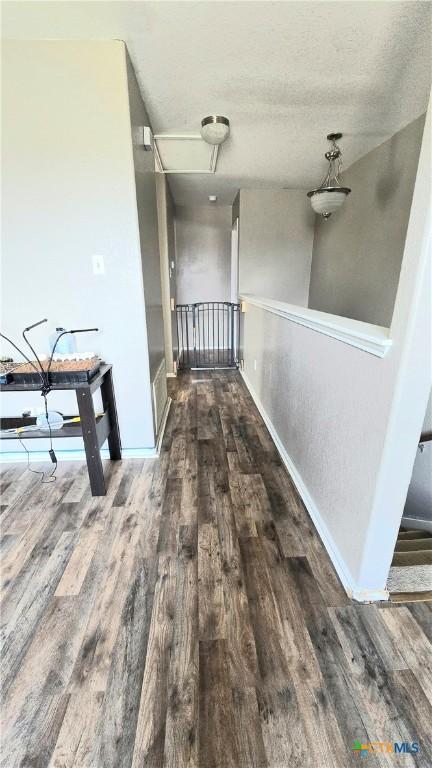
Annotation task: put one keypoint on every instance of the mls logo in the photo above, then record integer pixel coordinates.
(407, 748)
(397, 747)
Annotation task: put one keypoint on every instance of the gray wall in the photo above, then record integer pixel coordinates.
(349, 421)
(357, 253)
(276, 236)
(203, 248)
(145, 184)
(68, 193)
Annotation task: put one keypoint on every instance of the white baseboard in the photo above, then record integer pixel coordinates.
(353, 590)
(20, 457)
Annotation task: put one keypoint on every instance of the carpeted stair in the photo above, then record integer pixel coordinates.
(411, 568)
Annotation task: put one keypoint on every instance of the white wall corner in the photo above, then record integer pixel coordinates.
(411, 327)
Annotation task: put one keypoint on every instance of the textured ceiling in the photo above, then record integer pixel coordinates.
(285, 73)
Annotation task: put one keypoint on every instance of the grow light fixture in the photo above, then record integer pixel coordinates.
(330, 196)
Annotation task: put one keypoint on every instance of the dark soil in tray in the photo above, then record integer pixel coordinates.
(61, 372)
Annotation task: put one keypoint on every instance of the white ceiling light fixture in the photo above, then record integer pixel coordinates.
(330, 196)
(212, 198)
(215, 129)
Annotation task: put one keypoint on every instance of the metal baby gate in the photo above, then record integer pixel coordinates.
(208, 334)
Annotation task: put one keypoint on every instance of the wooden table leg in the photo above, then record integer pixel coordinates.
(109, 404)
(91, 445)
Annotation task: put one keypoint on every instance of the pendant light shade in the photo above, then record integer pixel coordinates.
(327, 201)
(330, 196)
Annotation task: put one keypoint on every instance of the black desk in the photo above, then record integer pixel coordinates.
(94, 430)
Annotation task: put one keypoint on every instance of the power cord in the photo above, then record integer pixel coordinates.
(47, 477)
(45, 390)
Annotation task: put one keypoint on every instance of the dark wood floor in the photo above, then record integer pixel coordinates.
(192, 617)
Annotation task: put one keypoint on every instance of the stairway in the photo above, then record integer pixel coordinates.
(411, 568)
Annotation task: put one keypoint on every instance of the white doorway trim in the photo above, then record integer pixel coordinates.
(235, 261)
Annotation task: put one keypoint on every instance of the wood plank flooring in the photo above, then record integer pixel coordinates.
(191, 618)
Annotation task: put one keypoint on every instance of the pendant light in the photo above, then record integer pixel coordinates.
(330, 195)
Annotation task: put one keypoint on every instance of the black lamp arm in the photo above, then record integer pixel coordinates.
(74, 330)
(43, 374)
(21, 353)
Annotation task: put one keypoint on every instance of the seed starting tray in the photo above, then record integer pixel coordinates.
(56, 377)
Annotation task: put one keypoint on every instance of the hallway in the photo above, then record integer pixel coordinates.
(192, 617)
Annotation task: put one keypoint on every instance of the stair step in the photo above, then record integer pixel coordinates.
(411, 568)
(410, 578)
(412, 535)
(411, 597)
(421, 557)
(413, 545)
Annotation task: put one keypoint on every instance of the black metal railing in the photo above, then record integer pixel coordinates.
(208, 334)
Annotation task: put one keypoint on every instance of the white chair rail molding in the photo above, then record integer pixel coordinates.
(370, 338)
